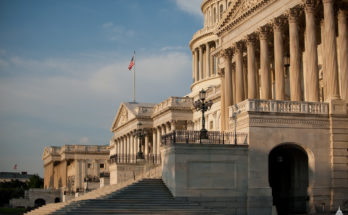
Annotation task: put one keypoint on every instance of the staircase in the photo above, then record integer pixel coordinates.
(148, 196)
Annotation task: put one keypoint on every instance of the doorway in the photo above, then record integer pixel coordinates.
(288, 178)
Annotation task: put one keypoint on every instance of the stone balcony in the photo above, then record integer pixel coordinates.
(183, 103)
(284, 107)
(83, 148)
(202, 32)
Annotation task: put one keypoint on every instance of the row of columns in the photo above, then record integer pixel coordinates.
(310, 73)
(127, 146)
(203, 67)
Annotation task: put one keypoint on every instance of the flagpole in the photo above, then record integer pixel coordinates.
(134, 79)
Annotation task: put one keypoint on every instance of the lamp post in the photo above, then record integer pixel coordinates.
(234, 117)
(140, 134)
(202, 105)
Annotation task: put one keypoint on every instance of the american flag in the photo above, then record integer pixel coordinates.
(131, 64)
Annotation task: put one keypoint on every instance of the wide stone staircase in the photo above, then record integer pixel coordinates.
(148, 196)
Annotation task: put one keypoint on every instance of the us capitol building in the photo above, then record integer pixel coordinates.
(276, 73)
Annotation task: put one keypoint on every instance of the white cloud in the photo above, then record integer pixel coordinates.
(190, 6)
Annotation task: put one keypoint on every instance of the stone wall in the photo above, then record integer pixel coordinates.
(48, 195)
(214, 175)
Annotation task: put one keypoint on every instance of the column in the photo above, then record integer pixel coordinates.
(239, 73)
(77, 183)
(154, 143)
(331, 53)
(252, 90)
(264, 61)
(343, 50)
(207, 48)
(197, 65)
(131, 147)
(158, 145)
(173, 126)
(323, 50)
(201, 63)
(95, 164)
(228, 78)
(279, 58)
(311, 73)
(135, 148)
(295, 55)
(222, 99)
(146, 145)
(127, 148)
(117, 150)
(193, 66)
(212, 64)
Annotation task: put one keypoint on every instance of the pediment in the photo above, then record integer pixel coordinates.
(240, 9)
(124, 114)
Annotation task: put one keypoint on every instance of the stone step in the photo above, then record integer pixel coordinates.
(144, 197)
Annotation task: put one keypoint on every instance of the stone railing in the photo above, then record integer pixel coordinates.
(213, 91)
(275, 106)
(214, 137)
(205, 30)
(83, 148)
(175, 102)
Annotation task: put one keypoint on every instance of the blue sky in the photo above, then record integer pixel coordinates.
(63, 68)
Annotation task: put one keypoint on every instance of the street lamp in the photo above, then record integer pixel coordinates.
(202, 105)
(234, 117)
(140, 134)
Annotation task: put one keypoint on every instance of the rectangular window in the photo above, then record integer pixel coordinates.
(89, 165)
(101, 166)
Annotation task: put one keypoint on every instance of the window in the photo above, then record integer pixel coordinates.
(214, 15)
(101, 166)
(221, 10)
(89, 165)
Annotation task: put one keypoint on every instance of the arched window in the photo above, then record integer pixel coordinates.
(229, 3)
(214, 15)
(221, 10)
(209, 23)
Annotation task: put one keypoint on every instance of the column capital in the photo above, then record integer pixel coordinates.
(278, 23)
(310, 6)
(342, 15)
(226, 53)
(294, 13)
(238, 47)
(328, 1)
(221, 73)
(250, 39)
(264, 32)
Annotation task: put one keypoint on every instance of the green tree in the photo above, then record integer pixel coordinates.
(35, 182)
(11, 189)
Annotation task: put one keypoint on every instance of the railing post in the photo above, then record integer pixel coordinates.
(174, 139)
(187, 137)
